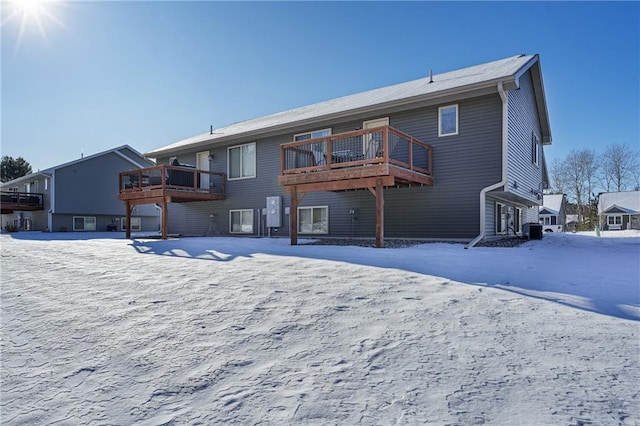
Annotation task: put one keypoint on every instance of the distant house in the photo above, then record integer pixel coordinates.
(619, 210)
(457, 155)
(572, 223)
(552, 214)
(80, 195)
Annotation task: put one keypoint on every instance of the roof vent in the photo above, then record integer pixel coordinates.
(430, 76)
(211, 129)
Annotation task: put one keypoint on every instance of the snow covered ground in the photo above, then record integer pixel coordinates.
(103, 330)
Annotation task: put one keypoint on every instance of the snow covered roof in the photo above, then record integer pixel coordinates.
(552, 202)
(508, 70)
(628, 201)
(50, 170)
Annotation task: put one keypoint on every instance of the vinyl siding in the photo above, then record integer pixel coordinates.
(523, 121)
(462, 166)
(90, 188)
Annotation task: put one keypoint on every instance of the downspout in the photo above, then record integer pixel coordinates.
(503, 182)
(52, 200)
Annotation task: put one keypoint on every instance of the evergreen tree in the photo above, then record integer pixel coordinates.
(13, 168)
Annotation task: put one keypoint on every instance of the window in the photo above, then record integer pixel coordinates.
(518, 220)
(535, 148)
(242, 161)
(84, 223)
(448, 120)
(312, 135)
(136, 224)
(313, 220)
(614, 220)
(241, 221)
(501, 218)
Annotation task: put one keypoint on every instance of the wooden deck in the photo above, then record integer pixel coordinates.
(11, 201)
(165, 184)
(372, 159)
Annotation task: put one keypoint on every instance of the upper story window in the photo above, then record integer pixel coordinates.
(312, 135)
(242, 161)
(535, 149)
(448, 120)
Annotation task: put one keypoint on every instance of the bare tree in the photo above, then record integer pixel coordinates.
(577, 173)
(620, 168)
(558, 177)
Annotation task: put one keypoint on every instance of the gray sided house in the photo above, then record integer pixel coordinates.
(619, 210)
(80, 195)
(453, 156)
(553, 214)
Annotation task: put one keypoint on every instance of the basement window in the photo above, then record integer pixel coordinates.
(313, 220)
(136, 224)
(84, 223)
(241, 221)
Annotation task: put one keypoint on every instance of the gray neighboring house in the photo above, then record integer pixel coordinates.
(459, 156)
(80, 195)
(553, 215)
(619, 210)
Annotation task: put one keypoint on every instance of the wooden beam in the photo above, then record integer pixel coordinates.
(343, 185)
(293, 216)
(127, 229)
(379, 214)
(165, 211)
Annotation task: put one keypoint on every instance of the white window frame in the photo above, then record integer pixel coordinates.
(615, 218)
(535, 149)
(85, 223)
(440, 110)
(245, 228)
(518, 220)
(297, 136)
(312, 231)
(136, 224)
(255, 155)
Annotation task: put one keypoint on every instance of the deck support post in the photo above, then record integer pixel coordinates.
(165, 211)
(127, 228)
(379, 214)
(293, 216)
(293, 213)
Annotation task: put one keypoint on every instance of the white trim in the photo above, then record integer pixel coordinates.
(312, 132)
(255, 156)
(503, 211)
(368, 124)
(440, 109)
(123, 223)
(84, 228)
(535, 149)
(135, 163)
(324, 232)
(503, 182)
(231, 231)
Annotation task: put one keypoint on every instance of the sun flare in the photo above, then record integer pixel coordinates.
(31, 13)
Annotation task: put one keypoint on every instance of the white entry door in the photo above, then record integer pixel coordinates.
(372, 143)
(202, 160)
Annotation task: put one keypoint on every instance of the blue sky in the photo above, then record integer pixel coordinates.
(147, 74)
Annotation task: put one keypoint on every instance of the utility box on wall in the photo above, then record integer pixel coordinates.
(274, 212)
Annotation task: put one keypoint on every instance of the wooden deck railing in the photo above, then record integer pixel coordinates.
(11, 201)
(174, 178)
(358, 148)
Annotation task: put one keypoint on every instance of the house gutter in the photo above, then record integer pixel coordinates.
(368, 109)
(502, 182)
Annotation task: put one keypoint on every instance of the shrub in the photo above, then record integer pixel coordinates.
(9, 227)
